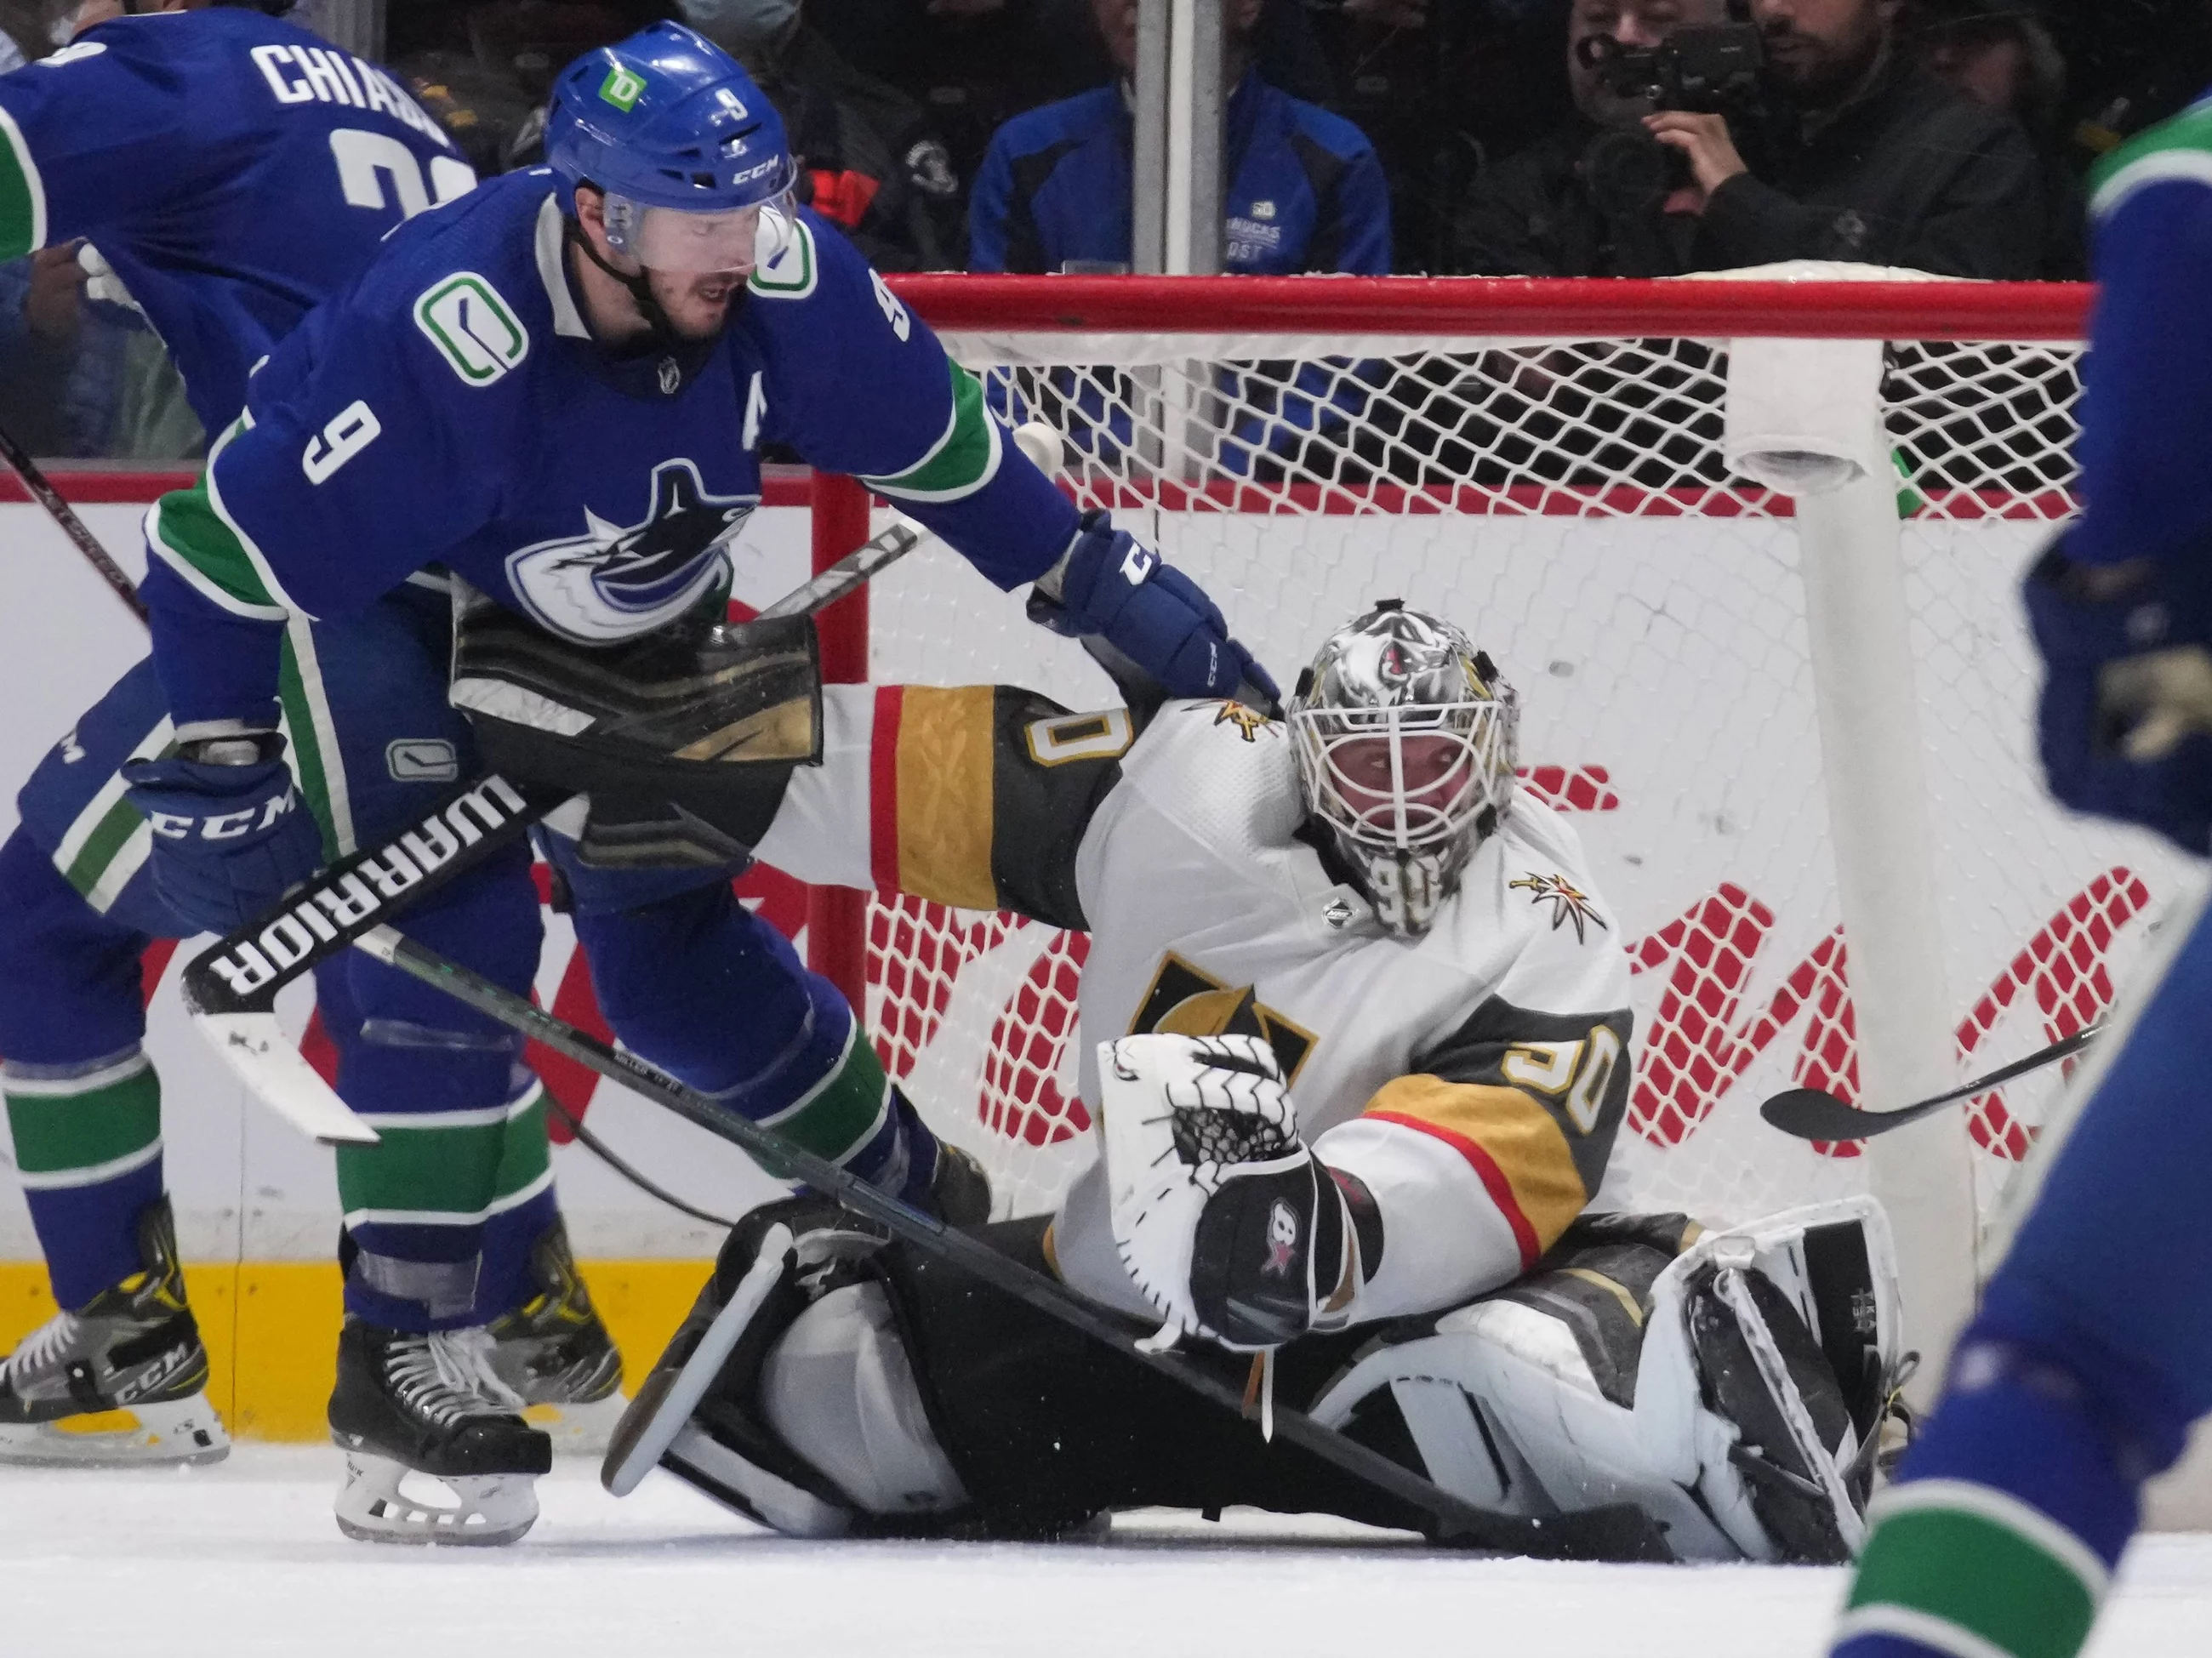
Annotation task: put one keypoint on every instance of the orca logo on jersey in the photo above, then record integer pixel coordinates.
(613, 583)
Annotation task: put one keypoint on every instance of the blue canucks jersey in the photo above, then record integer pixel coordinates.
(451, 408)
(233, 169)
(2146, 401)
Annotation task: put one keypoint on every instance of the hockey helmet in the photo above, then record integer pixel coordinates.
(691, 155)
(1405, 741)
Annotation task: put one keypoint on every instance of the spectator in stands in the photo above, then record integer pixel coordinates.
(2000, 54)
(1870, 158)
(1593, 198)
(867, 158)
(1303, 190)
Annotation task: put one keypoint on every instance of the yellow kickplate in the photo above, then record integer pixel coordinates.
(271, 1329)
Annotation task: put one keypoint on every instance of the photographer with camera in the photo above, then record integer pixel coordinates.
(1865, 156)
(1805, 133)
(1591, 198)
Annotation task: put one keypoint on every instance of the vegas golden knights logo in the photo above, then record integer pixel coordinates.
(1184, 1001)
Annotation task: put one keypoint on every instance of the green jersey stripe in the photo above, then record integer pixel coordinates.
(498, 1206)
(842, 1113)
(525, 1155)
(448, 1163)
(92, 1174)
(186, 533)
(155, 743)
(964, 457)
(128, 860)
(2178, 148)
(22, 194)
(88, 869)
(317, 761)
(57, 1133)
(1973, 1570)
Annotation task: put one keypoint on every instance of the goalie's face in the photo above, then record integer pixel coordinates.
(1406, 779)
(1405, 740)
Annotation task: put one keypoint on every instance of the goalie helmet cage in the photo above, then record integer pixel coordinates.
(1749, 550)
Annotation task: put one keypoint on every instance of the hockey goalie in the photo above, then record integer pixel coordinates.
(1356, 1037)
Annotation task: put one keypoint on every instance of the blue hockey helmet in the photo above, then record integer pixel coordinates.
(667, 120)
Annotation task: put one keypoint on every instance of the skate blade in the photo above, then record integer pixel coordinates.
(483, 1510)
(578, 1430)
(184, 1432)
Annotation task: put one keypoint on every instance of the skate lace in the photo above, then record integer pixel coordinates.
(468, 1352)
(42, 1349)
(434, 1376)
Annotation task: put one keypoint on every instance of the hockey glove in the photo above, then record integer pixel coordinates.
(1111, 586)
(2125, 719)
(1227, 1223)
(229, 840)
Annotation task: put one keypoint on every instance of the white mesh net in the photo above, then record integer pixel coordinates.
(1565, 500)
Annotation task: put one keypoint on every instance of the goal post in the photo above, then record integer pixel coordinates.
(1750, 550)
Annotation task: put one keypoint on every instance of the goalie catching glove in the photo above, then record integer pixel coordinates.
(1226, 1221)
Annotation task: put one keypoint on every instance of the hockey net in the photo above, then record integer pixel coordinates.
(1544, 463)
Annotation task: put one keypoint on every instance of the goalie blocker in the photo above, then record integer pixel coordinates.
(829, 1382)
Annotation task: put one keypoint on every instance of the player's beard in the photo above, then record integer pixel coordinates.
(697, 304)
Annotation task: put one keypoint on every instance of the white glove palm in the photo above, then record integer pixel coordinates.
(1226, 1222)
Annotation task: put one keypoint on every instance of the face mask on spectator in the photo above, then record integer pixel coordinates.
(741, 25)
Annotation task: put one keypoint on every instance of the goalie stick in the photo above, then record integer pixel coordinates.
(1616, 1532)
(1813, 1114)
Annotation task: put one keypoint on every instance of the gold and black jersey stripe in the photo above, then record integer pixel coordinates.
(1532, 1100)
(980, 795)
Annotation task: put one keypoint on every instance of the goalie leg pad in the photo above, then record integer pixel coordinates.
(840, 1391)
(1733, 1390)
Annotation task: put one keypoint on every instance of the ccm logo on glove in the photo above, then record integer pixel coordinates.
(1138, 563)
(228, 826)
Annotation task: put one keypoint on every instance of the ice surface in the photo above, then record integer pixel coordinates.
(242, 1560)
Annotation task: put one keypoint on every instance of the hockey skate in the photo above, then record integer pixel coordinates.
(556, 1355)
(119, 1382)
(411, 1409)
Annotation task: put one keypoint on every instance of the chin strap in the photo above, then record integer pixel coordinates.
(664, 340)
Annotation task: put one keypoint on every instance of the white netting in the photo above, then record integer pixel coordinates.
(1565, 500)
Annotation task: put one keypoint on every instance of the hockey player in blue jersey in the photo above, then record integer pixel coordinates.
(2092, 1352)
(555, 392)
(235, 170)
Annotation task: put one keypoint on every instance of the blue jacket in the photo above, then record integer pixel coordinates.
(1306, 192)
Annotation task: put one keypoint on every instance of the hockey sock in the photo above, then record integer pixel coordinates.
(460, 1121)
(83, 1103)
(705, 989)
(88, 1152)
(2010, 1516)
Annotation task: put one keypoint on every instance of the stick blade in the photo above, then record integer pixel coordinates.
(267, 1061)
(1810, 1114)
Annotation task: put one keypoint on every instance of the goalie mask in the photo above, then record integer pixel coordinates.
(1406, 742)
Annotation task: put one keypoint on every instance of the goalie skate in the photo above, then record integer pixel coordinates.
(120, 1380)
(413, 1413)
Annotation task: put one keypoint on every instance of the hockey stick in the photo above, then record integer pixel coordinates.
(1618, 1531)
(1813, 1114)
(116, 578)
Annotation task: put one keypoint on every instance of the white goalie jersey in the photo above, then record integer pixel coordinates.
(1465, 1088)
